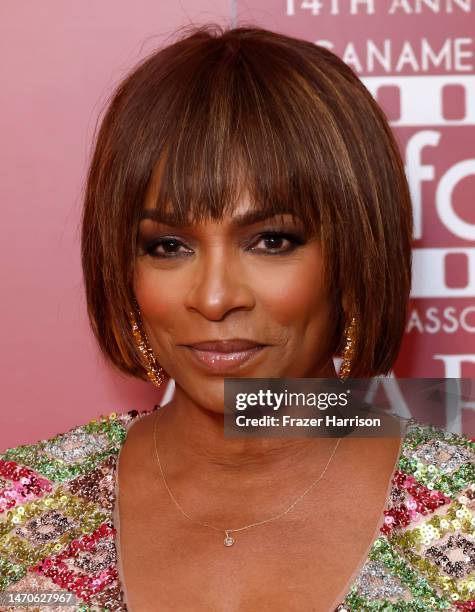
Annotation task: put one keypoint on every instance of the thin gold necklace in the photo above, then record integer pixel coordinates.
(228, 539)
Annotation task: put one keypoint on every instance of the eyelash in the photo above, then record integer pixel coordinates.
(295, 241)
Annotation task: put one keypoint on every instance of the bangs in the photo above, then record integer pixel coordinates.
(230, 129)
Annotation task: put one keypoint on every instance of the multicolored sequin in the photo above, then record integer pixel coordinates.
(424, 558)
(57, 531)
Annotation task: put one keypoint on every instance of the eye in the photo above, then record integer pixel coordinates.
(275, 243)
(170, 248)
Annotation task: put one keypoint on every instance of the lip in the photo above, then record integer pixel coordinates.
(228, 345)
(221, 357)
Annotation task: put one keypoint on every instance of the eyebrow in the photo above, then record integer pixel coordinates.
(242, 220)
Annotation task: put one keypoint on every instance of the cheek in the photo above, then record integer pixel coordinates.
(159, 297)
(297, 294)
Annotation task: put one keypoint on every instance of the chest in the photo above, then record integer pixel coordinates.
(304, 561)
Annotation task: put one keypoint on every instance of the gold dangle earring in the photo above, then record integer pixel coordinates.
(155, 372)
(349, 350)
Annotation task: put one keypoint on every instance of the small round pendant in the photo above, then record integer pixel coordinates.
(228, 540)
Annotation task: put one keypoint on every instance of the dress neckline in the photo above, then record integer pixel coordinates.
(339, 600)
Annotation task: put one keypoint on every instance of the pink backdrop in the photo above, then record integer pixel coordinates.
(60, 61)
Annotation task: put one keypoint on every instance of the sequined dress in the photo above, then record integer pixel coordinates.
(57, 530)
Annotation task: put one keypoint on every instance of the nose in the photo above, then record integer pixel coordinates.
(218, 284)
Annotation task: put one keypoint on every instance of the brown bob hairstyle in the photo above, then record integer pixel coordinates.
(223, 108)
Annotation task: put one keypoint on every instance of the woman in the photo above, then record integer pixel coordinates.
(246, 215)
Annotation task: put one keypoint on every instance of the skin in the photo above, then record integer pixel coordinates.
(226, 284)
(222, 281)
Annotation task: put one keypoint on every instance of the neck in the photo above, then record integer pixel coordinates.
(193, 437)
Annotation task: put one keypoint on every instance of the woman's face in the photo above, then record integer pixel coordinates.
(260, 281)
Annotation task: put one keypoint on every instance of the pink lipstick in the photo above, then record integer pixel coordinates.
(221, 356)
